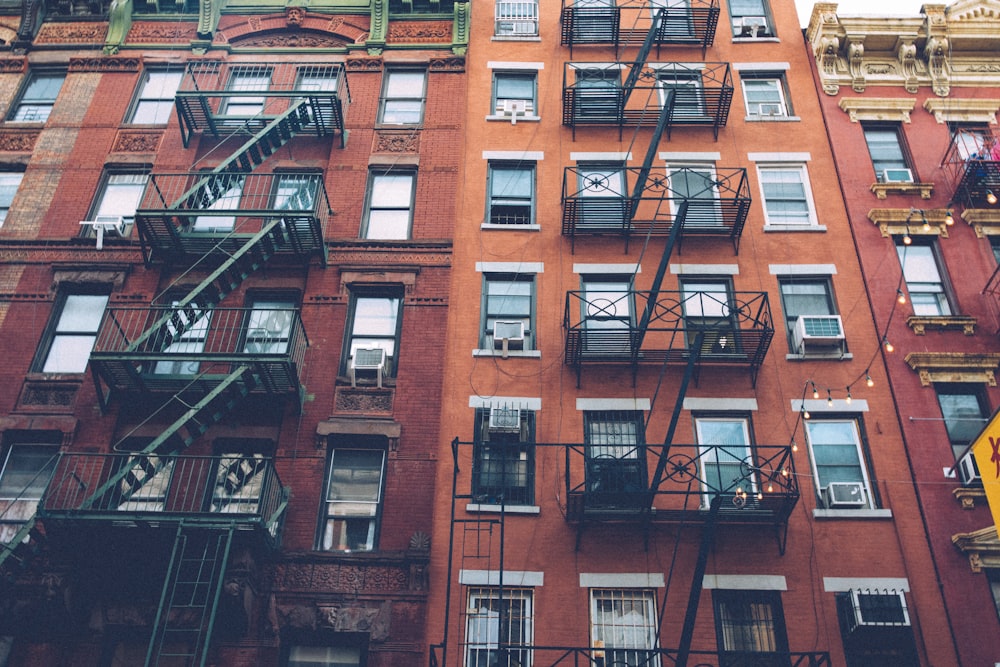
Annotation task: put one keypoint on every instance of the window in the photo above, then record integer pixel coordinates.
(390, 205)
(993, 576)
(119, 196)
(885, 145)
(295, 192)
(184, 335)
(374, 323)
(623, 626)
(875, 628)
(923, 275)
(837, 459)
(316, 78)
(9, 183)
(513, 91)
(787, 200)
(251, 79)
(608, 305)
(751, 18)
(503, 470)
(508, 298)
(765, 94)
(804, 295)
(72, 332)
(688, 92)
(269, 326)
(512, 194)
(677, 22)
(600, 201)
(27, 469)
(708, 309)
(597, 94)
(724, 452)
(750, 622)
(155, 98)
(965, 412)
(492, 621)
(403, 97)
(300, 655)
(695, 186)
(37, 97)
(516, 18)
(240, 476)
(229, 200)
(353, 498)
(615, 469)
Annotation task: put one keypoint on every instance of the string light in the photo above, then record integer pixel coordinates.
(900, 297)
(795, 448)
(868, 379)
(848, 399)
(829, 398)
(949, 219)
(906, 238)
(805, 414)
(990, 197)
(888, 345)
(815, 390)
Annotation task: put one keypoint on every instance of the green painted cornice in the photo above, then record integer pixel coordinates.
(460, 28)
(119, 22)
(379, 26)
(209, 12)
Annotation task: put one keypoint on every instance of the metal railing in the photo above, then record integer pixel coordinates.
(628, 22)
(973, 162)
(575, 656)
(516, 18)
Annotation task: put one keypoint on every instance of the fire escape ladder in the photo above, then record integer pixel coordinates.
(185, 617)
(640, 59)
(707, 537)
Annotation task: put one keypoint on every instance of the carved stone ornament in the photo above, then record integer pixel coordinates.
(900, 221)
(13, 65)
(48, 396)
(887, 109)
(454, 63)
(959, 110)
(968, 496)
(364, 64)
(18, 140)
(920, 324)
(104, 64)
(985, 222)
(291, 40)
(395, 141)
(423, 32)
(363, 399)
(146, 32)
(72, 33)
(137, 141)
(954, 367)
(981, 546)
(357, 617)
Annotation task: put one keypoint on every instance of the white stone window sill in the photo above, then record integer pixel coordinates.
(518, 228)
(520, 119)
(536, 354)
(851, 514)
(516, 38)
(755, 40)
(770, 119)
(794, 228)
(819, 357)
(506, 509)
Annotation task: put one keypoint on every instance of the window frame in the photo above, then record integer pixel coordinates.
(723, 598)
(513, 76)
(959, 444)
(389, 295)
(19, 498)
(373, 193)
(388, 98)
(861, 447)
(161, 106)
(708, 456)
(46, 103)
(791, 317)
(944, 303)
(499, 18)
(690, 102)
(770, 216)
(191, 341)
(780, 87)
(107, 184)
(254, 83)
(486, 316)
(721, 329)
(740, 31)
(646, 599)
(52, 331)
(496, 600)
(496, 200)
(606, 330)
(11, 187)
(506, 446)
(616, 470)
(373, 445)
(260, 306)
(903, 161)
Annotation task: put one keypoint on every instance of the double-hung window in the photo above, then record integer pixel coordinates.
(608, 304)
(924, 277)
(375, 321)
(390, 205)
(27, 468)
(888, 153)
(615, 472)
(725, 456)
(965, 412)
(504, 467)
(184, 336)
(765, 94)
(838, 463)
(119, 198)
(508, 301)
(303, 655)
(215, 219)
(512, 193)
(748, 624)
(707, 305)
(805, 297)
(600, 201)
(499, 616)
(688, 98)
(249, 79)
(597, 93)
(37, 97)
(10, 181)
(155, 97)
(787, 197)
(269, 326)
(623, 626)
(695, 201)
(751, 18)
(403, 95)
(516, 18)
(353, 498)
(514, 94)
(72, 331)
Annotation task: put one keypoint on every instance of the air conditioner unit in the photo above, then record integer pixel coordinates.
(770, 109)
(103, 224)
(818, 331)
(753, 26)
(514, 108)
(968, 471)
(878, 609)
(897, 176)
(519, 28)
(508, 335)
(505, 420)
(368, 359)
(844, 495)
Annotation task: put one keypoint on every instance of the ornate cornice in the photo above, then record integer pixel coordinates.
(985, 221)
(104, 64)
(981, 546)
(920, 323)
(899, 221)
(881, 190)
(957, 110)
(877, 108)
(954, 367)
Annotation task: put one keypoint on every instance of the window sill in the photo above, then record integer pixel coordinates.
(851, 514)
(920, 323)
(516, 38)
(520, 119)
(752, 40)
(903, 188)
(533, 354)
(506, 509)
(794, 228)
(846, 356)
(519, 228)
(771, 119)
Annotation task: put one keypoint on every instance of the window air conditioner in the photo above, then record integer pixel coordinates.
(505, 420)
(844, 495)
(878, 609)
(770, 109)
(897, 176)
(519, 28)
(818, 331)
(968, 471)
(753, 26)
(102, 224)
(368, 359)
(508, 335)
(514, 108)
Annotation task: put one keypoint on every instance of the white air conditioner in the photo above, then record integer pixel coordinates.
(878, 609)
(368, 359)
(102, 224)
(508, 335)
(519, 28)
(515, 108)
(817, 333)
(844, 495)
(505, 420)
(968, 471)
(753, 26)
(770, 109)
(897, 176)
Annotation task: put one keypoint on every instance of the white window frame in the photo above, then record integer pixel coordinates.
(748, 79)
(345, 509)
(861, 462)
(251, 79)
(66, 340)
(613, 632)
(482, 626)
(706, 171)
(384, 202)
(19, 502)
(398, 91)
(516, 18)
(119, 196)
(710, 463)
(497, 98)
(10, 181)
(803, 173)
(154, 100)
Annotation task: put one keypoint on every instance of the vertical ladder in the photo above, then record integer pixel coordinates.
(185, 617)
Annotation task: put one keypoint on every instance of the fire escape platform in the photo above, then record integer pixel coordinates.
(972, 160)
(629, 21)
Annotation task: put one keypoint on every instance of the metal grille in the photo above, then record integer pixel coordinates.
(623, 625)
(517, 17)
(498, 629)
(747, 621)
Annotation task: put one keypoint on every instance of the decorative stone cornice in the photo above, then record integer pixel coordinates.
(920, 323)
(899, 221)
(985, 221)
(954, 367)
(877, 108)
(968, 496)
(881, 190)
(981, 546)
(954, 110)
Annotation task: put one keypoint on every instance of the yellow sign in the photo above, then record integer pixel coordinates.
(986, 451)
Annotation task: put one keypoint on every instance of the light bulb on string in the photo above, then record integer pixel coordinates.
(815, 390)
(795, 448)
(900, 297)
(990, 197)
(949, 219)
(907, 240)
(829, 398)
(848, 399)
(805, 414)
(888, 346)
(868, 379)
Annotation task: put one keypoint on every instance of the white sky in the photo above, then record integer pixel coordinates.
(865, 8)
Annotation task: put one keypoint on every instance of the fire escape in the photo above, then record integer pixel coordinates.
(628, 481)
(194, 361)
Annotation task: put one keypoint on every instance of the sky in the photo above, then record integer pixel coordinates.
(865, 7)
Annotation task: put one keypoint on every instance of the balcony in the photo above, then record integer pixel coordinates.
(580, 656)
(597, 201)
(628, 23)
(619, 95)
(231, 99)
(973, 160)
(127, 490)
(194, 216)
(166, 349)
(735, 328)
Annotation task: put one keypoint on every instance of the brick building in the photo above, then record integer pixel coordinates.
(674, 440)
(911, 104)
(226, 241)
